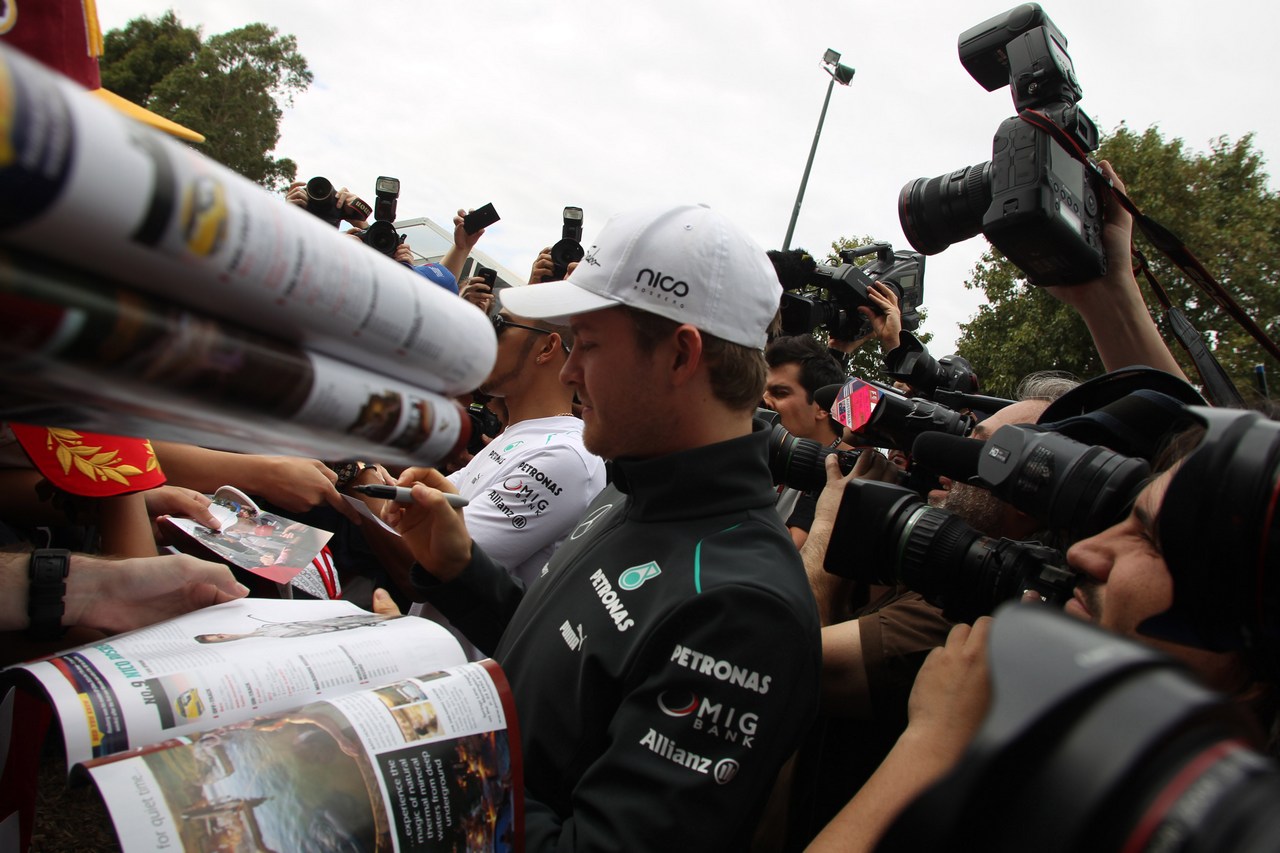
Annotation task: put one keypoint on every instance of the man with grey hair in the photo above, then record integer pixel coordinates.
(666, 664)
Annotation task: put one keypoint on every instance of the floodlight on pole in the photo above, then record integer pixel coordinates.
(841, 74)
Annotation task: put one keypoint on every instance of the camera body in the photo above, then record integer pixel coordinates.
(381, 233)
(1033, 201)
(568, 249)
(830, 296)
(484, 424)
(911, 363)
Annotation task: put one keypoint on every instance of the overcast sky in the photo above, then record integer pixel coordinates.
(608, 105)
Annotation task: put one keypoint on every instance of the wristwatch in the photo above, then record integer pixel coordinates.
(47, 572)
(347, 473)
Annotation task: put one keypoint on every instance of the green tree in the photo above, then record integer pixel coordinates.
(146, 51)
(230, 88)
(1220, 205)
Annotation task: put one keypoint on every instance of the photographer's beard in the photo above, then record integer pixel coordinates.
(975, 506)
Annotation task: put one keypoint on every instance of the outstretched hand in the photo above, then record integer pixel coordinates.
(296, 484)
(1112, 306)
(121, 595)
(180, 502)
(463, 241)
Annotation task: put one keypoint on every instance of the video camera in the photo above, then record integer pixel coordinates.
(830, 296)
(888, 534)
(1079, 489)
(1035, 203)
(322, 201)
(568, 249)
(1226, 585)
(381, 233)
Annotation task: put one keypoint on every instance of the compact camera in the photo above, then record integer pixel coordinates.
(1035, 202)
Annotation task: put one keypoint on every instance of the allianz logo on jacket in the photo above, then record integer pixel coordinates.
(723, 772)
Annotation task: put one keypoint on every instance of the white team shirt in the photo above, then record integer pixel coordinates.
(527, 490)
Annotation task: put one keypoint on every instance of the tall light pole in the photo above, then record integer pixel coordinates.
(841, 74)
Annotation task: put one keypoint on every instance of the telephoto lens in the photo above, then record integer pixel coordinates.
(885, 534)
(800, 463)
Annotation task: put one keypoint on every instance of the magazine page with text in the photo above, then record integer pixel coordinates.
(227, 664)
(424, 763)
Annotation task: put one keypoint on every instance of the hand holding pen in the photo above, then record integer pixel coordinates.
(404, 494)
(428, 520)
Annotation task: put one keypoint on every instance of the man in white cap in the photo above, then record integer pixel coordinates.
(666, 664)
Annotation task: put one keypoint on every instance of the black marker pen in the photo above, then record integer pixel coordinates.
(401, 494)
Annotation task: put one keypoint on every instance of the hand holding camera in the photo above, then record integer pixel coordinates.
(468, 228)
(317, 196)
(883, 314)
(566, 253)
(478, 289)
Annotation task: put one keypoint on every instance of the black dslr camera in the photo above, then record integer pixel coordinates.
(568, 249)
(1035, 203)
(911, 363)
(322, 201)
(830, 296)
(382, 234)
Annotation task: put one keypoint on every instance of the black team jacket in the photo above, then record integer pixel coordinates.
(666, 663)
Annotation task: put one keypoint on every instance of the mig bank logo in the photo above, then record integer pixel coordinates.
(633, 577)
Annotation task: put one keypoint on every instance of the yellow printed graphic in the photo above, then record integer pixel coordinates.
(204, 216)
(89, 461)
(189, 705)
(91, 719)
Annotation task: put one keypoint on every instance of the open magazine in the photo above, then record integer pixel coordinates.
(266, 724)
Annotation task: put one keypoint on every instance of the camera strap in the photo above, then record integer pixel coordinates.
(1218, 386)
(1161, 237)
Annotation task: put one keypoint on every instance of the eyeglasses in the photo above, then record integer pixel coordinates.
(500, 323)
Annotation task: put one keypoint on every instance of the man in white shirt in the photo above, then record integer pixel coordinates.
(529, 486)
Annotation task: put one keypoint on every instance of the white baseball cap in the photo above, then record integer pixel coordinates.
(689, 264)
